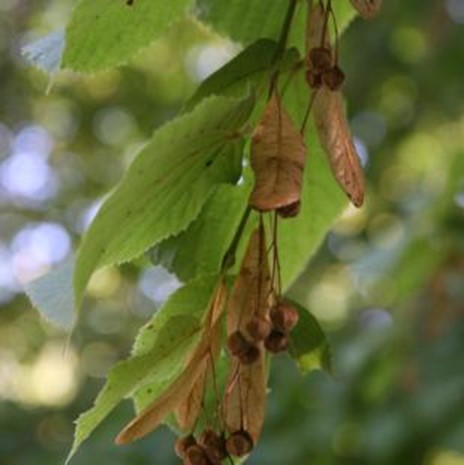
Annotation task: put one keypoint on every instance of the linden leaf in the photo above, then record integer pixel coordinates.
(177, 392)
(309, 346)
(45, 53)
(107, 33)
(161, 351)
(174, 340)
(166, 186)
(251, 67)
(278, 155)
(368, 9)
(52, 294)
(200, 249)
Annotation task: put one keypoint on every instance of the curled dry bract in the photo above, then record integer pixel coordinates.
(278, 155)
(245, 395)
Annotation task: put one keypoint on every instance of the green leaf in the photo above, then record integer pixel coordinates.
(251, 66)
(322, 203)
(160, 353)
(201, 248)
(53, 295)
(248, 20)
(309, 346)
(106, 33)
(244, 20)
(166, 186)
(46, 53)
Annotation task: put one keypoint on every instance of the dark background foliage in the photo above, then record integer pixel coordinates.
(387, 285)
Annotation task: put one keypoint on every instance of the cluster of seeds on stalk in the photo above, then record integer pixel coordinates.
(258, 318)
(273, 331)
(321, 61)
(212, 448)
(323, 69)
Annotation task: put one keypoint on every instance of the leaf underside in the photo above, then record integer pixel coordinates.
(166, 186)
(161, 349)
(106, 33)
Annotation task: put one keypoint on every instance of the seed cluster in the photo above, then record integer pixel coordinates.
(212, 448)
(323, 70)
(259, 320)
(274, 332)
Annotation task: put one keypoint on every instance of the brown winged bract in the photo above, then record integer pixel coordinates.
(332, 126)
(278, 155)
(245, 395)
(178, 393)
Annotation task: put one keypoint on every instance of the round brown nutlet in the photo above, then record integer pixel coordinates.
(259, 328)
(320, 59)
(239, 444)
(250, 356)
(284, 317)
(196, 455)
(182, 444)
(276, 342)
(290, 211)
(333, 78)
(314, 79)
(209, 437)
(214, 446)
(237, 344)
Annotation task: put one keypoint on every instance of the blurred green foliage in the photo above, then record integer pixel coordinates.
(387, 285)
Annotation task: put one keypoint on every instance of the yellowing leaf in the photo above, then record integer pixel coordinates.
(177, 393)
(335, 137)
(278, 155)
(368, 9)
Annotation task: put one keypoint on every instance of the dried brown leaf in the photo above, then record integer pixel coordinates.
(368, 9)
(278, 155)
(335, 137)
(245, 396)
(179, 391)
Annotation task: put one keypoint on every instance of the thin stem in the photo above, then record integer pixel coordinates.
(282, 43)
(217, 398)
(326, 21)
(335, 26)
(293, 72)
(285, 31)
(229, 257)
(308, 111)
